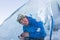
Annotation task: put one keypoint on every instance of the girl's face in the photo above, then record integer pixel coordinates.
(24, 21)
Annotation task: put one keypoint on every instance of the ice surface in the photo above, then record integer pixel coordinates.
(41, 11)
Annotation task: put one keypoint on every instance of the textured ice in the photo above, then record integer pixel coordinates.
(41, 10)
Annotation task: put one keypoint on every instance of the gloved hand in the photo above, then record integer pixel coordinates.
(23, 35)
